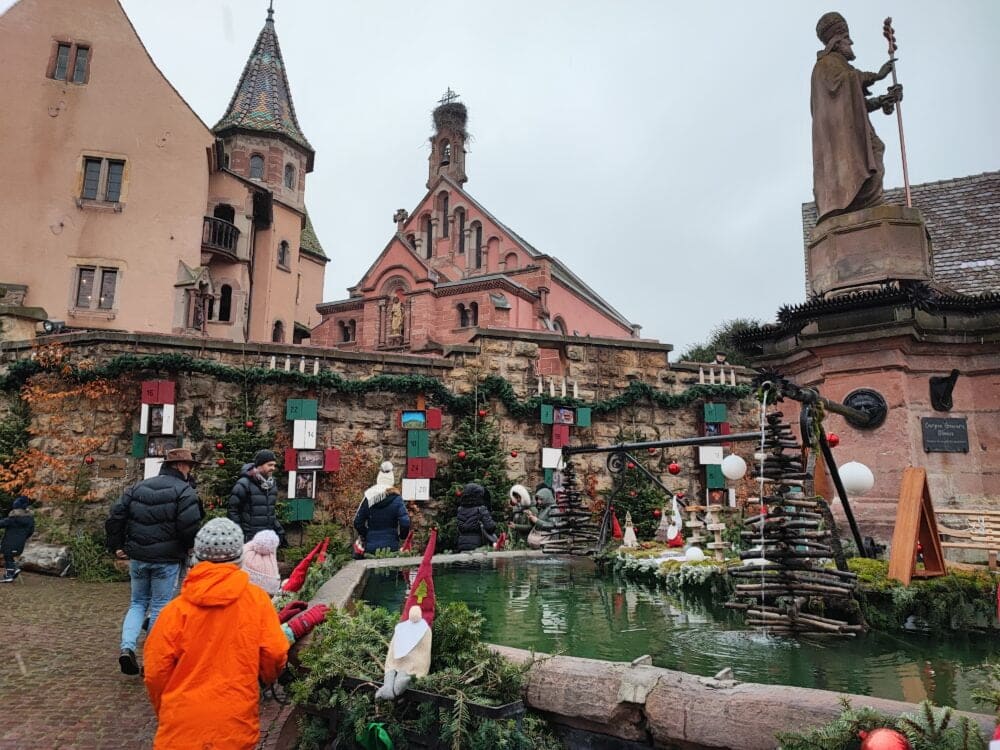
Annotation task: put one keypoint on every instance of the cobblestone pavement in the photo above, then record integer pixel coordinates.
(61, 685)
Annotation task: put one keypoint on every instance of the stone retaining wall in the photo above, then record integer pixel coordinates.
(605, 704)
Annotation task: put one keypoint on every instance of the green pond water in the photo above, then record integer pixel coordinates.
(556, 605)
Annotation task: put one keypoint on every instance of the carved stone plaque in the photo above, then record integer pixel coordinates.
(945, 434)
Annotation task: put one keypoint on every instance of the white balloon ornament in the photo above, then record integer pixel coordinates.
(857, 478)
(734, 467)
(694, 554)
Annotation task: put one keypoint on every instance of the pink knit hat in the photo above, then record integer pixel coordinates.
(260, 561)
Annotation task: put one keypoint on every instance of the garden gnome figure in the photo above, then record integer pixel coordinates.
(629, 540)
(847, 154)
(409, 654)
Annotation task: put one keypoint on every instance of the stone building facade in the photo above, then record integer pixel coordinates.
(130, 212)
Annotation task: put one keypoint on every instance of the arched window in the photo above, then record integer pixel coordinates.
(352, 329)
(289, 176)
(225, 212)
(256, 167)
(283, 254)
(460, 221)
(443, 205)
(225, 303)
(477, 244)
(463, 316)
(445, 152)
(428, 237)
(278, 332)
(510, 262)
(412, 239)
(473, 313)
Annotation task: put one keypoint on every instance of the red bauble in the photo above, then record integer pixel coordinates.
(482, 413)
(248, 424)
(632, 493)
(461, 454)
(630, 465)
(88, 460)
(674, 468)
(221, 462)
(219, 446)
(458, 492)
(883, 739)
(513, 454)
(679, 495)
(656, 513)
(651, 451)
(832, 439)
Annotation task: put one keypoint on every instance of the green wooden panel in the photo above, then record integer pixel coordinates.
(301, 510)
(715, 412)
(583, 416)
(301, 408)
(714, 478)
(548, 477)
(546, 413)
(138, 445)
(417, 443)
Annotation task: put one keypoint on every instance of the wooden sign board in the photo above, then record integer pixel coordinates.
(915, 522)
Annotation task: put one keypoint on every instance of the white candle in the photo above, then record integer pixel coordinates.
(302, 364)
(552, 387)
(562, 388)
(288, 363)
(272, 361)
(701, 375)
(576, 393)
(316, 366)
(539, 385)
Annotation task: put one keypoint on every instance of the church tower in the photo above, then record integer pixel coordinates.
(448, 142)
(261, 136)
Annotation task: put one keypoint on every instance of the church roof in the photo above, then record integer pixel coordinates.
(309, 242)
(262, 101)
(963, 218)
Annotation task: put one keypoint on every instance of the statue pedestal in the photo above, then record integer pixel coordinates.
(870, 246)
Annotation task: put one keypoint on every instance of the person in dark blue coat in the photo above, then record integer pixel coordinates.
(19, 525)
(382, 520)
(476, 526)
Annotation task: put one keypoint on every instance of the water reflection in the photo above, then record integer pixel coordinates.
(555, 605)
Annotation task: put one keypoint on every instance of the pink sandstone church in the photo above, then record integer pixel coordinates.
(452, 267)
(130, 213)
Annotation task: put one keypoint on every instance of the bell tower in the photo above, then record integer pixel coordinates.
(448, 142)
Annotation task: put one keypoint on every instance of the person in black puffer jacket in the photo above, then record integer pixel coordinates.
(475, 524)
(19, 525)
(153, 524)
(254, 496)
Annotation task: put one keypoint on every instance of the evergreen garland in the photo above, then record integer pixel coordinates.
(493, 387)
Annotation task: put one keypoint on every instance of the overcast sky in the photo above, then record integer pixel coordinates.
(660, 149)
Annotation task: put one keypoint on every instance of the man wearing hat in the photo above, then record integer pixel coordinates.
(254, 496)
(847, 154)
(210, 647)
(153, 525)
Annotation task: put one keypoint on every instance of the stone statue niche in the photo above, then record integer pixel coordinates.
(858, 241)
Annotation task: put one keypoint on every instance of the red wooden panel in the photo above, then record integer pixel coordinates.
(167, 393)
(421, 468)
(433, 419)
(331, 459)
(150, 391)
(560, 435)
(725, 430)
(291, 459)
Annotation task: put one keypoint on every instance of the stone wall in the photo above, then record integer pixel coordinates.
(598, 369)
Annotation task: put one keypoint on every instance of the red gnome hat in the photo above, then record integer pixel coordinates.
(407, 545)
(422, 588)
(298, 576)
(616, 528)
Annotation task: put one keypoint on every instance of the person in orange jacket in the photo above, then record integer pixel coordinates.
(210, 647)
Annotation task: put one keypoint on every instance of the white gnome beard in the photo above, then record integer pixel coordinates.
(406, 635)
(409, 655)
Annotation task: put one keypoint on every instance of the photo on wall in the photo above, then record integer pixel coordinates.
(305, 485)
(413, 420)
(157, 446)
(156, 419)
(309, 460)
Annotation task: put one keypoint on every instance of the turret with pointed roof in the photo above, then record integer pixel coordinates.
(262, 102)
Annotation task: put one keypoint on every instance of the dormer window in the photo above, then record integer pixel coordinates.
(283, 254)
(289, 177)
(256, 167)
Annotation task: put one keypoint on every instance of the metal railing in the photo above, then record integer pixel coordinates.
(220, 235)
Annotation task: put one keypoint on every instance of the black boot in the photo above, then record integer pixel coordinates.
(128, 662)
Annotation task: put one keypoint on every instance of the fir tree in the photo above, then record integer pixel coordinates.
(239, 445)
(474, 454)
(632, 491)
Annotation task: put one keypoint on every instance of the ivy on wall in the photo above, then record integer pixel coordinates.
(434, 389)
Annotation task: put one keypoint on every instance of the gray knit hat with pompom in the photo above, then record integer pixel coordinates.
(219, 541)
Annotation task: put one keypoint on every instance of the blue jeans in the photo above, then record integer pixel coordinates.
(153, 585)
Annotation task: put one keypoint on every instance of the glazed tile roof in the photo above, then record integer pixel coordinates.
(963, 218)
(263, 101)
(309, 242)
